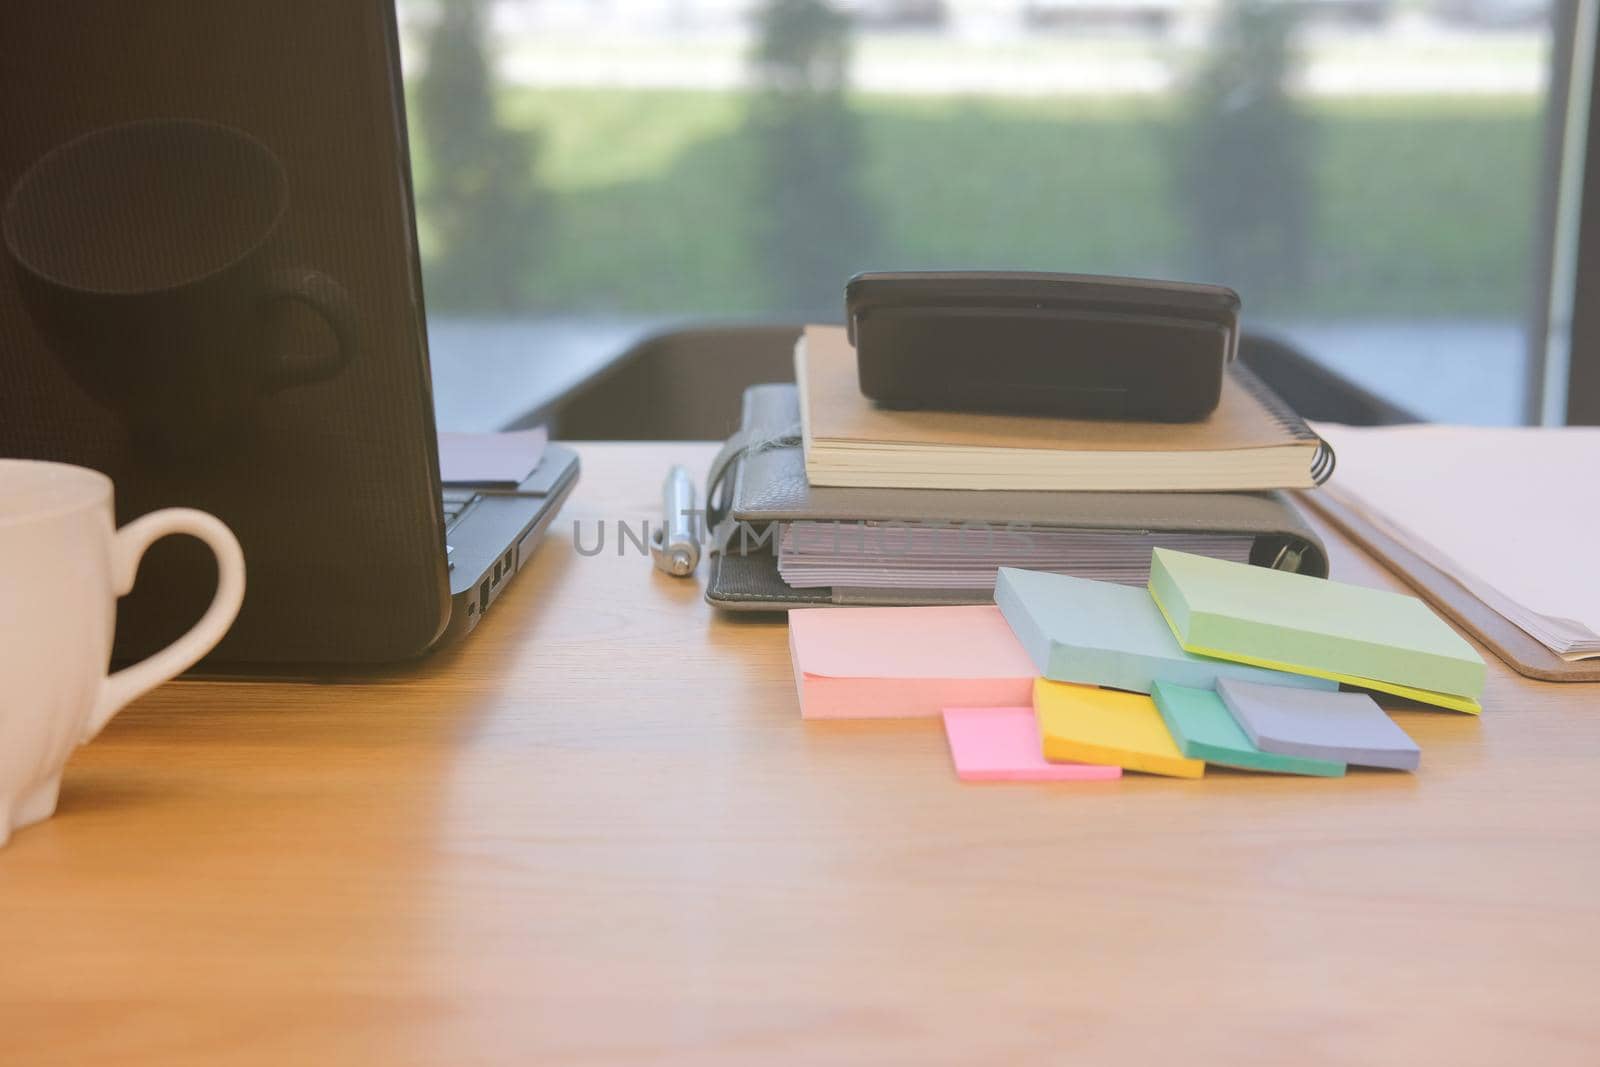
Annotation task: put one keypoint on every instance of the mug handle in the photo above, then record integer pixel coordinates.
(127, 549)
(328, 299)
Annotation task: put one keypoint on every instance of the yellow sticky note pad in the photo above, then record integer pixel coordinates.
(1082, 724)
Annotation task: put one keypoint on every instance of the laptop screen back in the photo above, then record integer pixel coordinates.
(209, 291)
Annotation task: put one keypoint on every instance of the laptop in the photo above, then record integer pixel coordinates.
(210, 290)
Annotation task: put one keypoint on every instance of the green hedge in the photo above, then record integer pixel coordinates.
(1424, 206)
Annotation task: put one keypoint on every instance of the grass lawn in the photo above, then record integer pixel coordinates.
(662, 201)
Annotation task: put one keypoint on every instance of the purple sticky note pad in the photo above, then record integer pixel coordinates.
(1002, 745)
(501, 459)
(1344, 727)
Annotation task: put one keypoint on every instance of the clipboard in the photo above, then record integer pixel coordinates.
(1520, 651)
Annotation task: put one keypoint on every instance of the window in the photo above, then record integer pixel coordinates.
(1368, 173)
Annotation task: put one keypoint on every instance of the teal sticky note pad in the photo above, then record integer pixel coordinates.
(1203, 728)
(1297, 622)
(1100, 633)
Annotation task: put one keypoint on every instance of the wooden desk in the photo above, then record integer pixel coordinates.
(599, 833)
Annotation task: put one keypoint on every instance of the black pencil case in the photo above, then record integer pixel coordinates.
(1070, 345)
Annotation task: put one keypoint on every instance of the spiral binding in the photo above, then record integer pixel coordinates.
(1288, 420)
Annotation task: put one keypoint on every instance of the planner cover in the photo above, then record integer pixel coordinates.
(760, 483)
(895, 555)
(1371, 638)
(1097, 633)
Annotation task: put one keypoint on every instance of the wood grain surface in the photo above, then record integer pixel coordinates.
(597, 832)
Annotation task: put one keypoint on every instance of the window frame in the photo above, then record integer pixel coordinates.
(1564, 327)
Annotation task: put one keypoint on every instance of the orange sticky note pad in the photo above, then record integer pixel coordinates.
(862, 663)
(1083, 724)
(1002, 745)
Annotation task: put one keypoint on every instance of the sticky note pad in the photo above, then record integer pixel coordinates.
(899, 662)
(1087, 725)
(1203, 729)
(1104, 634)
(1367, 637)
(1329, 726)
(1002, 745)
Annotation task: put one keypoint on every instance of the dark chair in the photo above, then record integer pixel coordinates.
(1313, 390)
(685, 385)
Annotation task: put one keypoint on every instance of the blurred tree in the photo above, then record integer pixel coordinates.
(485, 212)
(802, 46)
(813, 223)
(1244, 166)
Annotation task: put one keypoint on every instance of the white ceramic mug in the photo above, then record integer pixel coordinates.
(63, 564)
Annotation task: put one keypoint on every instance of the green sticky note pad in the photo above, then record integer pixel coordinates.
(1367, 637)
(1203, 729)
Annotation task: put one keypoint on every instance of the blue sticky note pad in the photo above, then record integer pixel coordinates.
(1203, 728)
(1100, 633)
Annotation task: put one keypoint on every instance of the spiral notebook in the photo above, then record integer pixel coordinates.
(1253, 441)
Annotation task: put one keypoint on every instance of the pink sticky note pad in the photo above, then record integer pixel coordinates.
(1002, 745)
(860, 663)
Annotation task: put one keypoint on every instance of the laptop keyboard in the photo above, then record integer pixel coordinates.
(454, 503)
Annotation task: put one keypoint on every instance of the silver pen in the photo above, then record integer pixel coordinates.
(674, 546)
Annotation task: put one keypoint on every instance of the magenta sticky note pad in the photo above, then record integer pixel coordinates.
(1002, 745)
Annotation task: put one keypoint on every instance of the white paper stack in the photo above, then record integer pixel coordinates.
(871, 555)
(1511, 514)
